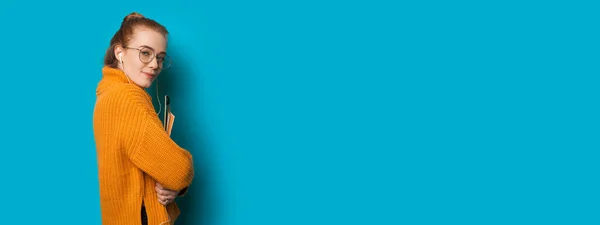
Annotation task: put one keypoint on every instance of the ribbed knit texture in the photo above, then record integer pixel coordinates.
(133, 153)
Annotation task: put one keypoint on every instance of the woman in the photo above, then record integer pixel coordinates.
(141, 170)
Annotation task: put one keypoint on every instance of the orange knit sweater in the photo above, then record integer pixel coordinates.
(133, 152)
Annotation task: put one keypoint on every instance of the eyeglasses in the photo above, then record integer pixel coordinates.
(147, 55)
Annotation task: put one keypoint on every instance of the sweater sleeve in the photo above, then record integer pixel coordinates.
(149, 146)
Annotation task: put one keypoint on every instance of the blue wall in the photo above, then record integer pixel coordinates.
(321, 112)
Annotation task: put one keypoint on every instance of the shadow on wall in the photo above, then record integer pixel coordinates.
(178, 82)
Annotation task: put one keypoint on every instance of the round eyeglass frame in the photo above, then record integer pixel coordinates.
(166, 61)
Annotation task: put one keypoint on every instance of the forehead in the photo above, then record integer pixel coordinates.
(148, 37)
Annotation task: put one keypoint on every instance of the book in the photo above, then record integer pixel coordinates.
(169, 117)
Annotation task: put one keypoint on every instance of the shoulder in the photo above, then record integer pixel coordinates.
(126, 98)
(128, 93)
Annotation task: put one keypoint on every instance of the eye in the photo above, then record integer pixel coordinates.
(146, 52)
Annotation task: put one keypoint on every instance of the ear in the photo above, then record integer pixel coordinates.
(118, 50)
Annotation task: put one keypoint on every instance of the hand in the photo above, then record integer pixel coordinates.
(165, 196)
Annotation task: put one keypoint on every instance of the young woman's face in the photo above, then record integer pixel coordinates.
(143, 57)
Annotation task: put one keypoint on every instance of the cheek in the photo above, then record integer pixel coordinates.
(136, 65)
(133, 59)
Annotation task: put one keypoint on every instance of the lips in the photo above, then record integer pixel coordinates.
(149, 75)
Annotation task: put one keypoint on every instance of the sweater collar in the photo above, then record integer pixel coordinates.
(112, 76)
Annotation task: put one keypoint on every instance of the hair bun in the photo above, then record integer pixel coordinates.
(133, 15)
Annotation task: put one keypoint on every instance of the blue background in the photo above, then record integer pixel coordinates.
(321, 112)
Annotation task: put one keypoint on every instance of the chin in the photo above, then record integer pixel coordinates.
(144, 84)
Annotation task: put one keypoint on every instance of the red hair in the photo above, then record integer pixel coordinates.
(125, 33)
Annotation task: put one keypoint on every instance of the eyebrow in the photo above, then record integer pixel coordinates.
(163, 52)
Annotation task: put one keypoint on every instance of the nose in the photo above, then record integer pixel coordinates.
(154, 63)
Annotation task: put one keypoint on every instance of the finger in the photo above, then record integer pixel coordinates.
(164, 198)
(162, 187)
(162, 192)
(165, 201)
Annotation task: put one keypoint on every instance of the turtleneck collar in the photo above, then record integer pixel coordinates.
(112, 76)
